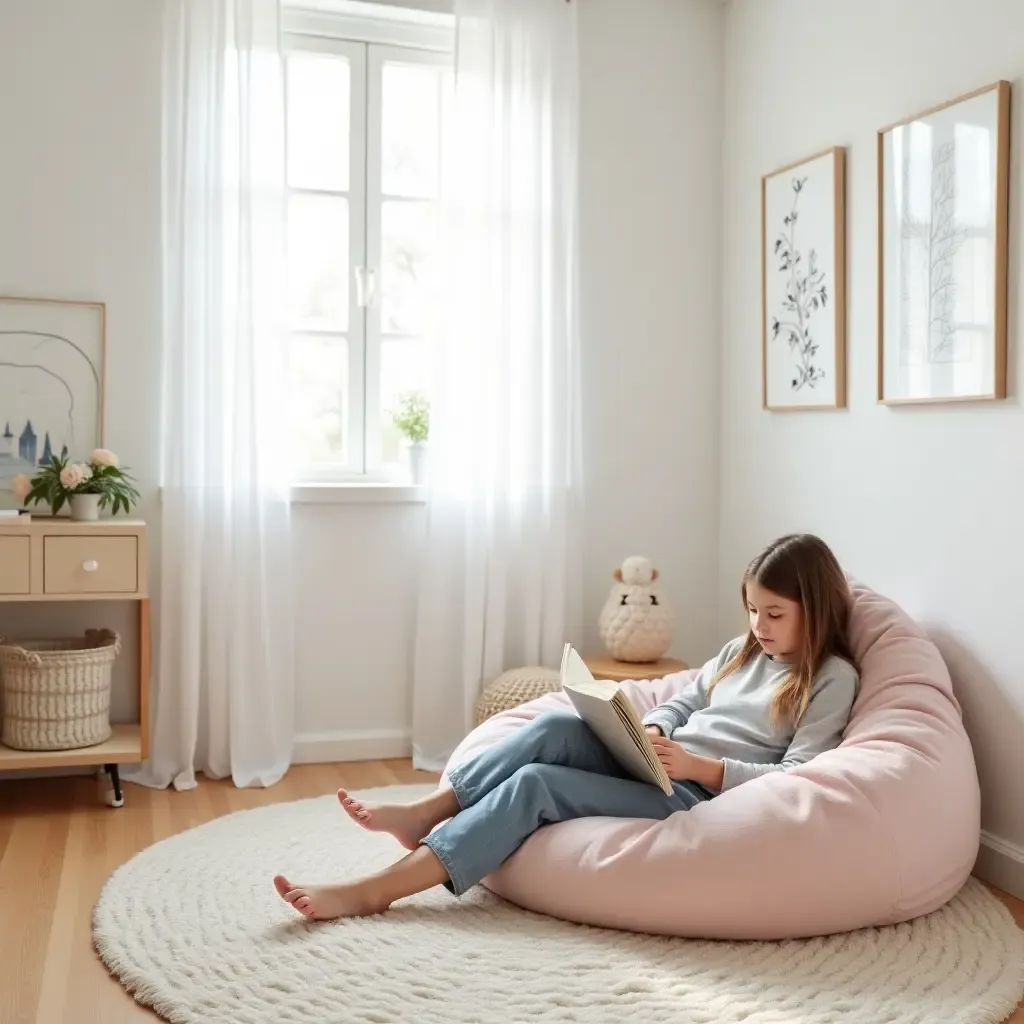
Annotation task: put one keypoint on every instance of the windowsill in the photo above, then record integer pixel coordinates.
(357, 492)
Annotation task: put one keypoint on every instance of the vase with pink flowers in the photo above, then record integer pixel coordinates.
(87, 488)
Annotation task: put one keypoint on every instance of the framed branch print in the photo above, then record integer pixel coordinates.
(51, 383)
(803, 284)
(943, 187)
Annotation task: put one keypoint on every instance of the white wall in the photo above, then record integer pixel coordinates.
(80, 186)
(925, 504)
(356, 569)
(80, 217)
(651, 80)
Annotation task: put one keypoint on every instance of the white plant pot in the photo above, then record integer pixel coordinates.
(85, 507)
(418, 462)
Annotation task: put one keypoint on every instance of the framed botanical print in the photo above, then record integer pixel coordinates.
(803, 284)
(943, 188)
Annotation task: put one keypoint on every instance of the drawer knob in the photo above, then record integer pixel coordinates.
(91, 566)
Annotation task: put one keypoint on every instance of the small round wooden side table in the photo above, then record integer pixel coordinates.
(603, 667)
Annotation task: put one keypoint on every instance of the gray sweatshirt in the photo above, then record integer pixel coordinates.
(736, 726)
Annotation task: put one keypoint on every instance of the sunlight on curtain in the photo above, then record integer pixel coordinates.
(224, 698)
(501, 577)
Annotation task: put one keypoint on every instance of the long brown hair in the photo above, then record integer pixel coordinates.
(802, 568)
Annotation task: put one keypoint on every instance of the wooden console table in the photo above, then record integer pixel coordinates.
(57, 559)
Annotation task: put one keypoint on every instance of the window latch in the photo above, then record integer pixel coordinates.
(366, 286)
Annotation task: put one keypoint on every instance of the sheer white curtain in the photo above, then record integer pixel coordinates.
(500, 574)
(224, 681)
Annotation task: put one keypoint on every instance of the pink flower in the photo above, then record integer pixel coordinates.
(74, 475)
(20, 486)
(103, 457)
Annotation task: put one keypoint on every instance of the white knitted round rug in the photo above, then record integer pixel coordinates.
(193, 927)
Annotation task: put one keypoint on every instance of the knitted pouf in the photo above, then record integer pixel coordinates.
(515, 687)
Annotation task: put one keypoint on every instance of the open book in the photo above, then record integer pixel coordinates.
(604, 707)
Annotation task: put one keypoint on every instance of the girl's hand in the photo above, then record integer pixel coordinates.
(679, 763)
(653, 730)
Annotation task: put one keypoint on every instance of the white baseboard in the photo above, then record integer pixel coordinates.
(350, 745)
(1001, 863)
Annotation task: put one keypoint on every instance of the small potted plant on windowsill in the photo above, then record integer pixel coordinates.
(412, 420)
(86, 487)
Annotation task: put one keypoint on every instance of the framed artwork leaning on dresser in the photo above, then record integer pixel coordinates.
(52, 355)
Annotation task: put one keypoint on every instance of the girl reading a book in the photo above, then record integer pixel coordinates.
(771, 700)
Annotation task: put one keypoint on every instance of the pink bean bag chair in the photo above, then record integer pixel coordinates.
(880, 830)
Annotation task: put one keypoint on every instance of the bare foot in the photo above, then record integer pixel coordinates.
(408, 823)
(326, 902)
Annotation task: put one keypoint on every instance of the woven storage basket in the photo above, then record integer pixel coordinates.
(515, 687)
(56, 693)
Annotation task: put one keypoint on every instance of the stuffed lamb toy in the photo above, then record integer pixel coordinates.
(636, 621)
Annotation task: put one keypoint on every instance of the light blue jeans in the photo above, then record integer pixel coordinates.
(551, 770)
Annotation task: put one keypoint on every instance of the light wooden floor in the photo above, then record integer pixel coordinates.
(58, 844)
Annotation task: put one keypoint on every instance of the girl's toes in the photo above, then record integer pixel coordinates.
(302, 903)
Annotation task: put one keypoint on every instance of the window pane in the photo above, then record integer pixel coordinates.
(410, 130)
(318, 121)
(404, 367)
(319, 399)
(318, 264)
(409, 237)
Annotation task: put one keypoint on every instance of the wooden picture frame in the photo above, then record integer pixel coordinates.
(803, 279)
(52, 382)
(943, 238)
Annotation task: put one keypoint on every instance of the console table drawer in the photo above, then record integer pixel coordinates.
(15, 559)
(90, 565)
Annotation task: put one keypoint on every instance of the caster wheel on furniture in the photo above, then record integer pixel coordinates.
(111, 800)
(115, 798)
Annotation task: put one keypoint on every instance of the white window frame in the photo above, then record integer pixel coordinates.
(379, 55)
(354, 334)
(417, 24)
(367, 42)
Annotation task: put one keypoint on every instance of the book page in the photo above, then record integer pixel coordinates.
(574, 672)
(631, 720)
(595, 702)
